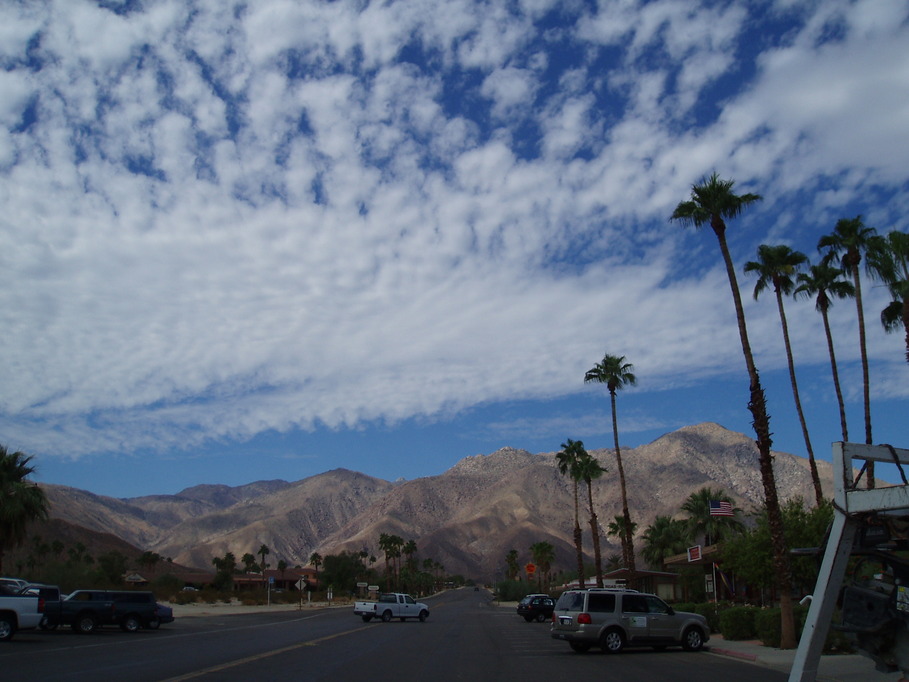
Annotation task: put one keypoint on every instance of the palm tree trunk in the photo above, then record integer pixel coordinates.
(578, 540)
(595, 530)
(815, 478)
(866, 384)
(836, 374)
(757, 405)
(627, 541)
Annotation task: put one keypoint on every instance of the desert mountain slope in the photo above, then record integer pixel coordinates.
(467, 517)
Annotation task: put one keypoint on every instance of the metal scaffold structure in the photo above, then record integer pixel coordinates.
(871, 523)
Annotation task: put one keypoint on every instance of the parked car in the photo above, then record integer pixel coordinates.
(18, 612)
(163, 614)
(87, 610)
(536, 607)
(50, 594)
(613, 619)
(13, 584)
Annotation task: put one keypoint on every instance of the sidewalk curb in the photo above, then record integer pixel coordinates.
(731, 654)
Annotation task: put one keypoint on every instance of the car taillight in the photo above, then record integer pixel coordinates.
(40, 604)
(584, 619)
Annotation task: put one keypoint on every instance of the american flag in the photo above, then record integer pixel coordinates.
(721, 508)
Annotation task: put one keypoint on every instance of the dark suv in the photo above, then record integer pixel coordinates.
(613, 619)
(536, 607)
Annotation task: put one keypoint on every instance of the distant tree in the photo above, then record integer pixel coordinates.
(663, 538)
(613, 371)
(745, 554)
(888, 256)
(590, 469)
(511, 563)
(702, 524)
(315, 560)
(848, 242)
(263, 552)
(824, 281)
(342, 571)
(543, 554)
(409, 550)
(568, 462)
(113, 566)
(23, 501)
(776, 268)
(617, 528)
(249, 562)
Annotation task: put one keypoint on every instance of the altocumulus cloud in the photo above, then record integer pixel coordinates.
(224, 218)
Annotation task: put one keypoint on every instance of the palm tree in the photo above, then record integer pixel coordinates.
(620, 529)
(22, 501)
(664, 537)
(701, 523)
(568, 460)
(409, 549)
(823, 281)
(848, 241)
(616, 373)
(543, 555)
(589, 469)
(775, 267)
(315, 560)
(249, 561)
(511, 562)
(712, 203)
(263, 550)
(386, 544)
(889, 258)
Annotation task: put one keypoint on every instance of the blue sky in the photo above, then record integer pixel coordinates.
(243, 241)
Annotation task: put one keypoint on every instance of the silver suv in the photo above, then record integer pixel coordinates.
(613, 619)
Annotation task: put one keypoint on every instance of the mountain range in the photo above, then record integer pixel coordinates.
(466, 518)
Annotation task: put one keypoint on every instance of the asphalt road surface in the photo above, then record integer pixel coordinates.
(467, 637)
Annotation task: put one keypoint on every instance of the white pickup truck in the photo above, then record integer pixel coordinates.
(18, 612)
(392, 605)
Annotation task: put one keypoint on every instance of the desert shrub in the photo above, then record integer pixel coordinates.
(512, 590)
(738, 622)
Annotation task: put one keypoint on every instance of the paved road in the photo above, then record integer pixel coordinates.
(465, 638)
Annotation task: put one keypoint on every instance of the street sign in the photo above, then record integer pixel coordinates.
(531, 569)
(301, 584)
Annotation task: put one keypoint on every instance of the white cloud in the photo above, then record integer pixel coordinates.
(219, 224)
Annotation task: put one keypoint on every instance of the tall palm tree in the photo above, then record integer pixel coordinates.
(889, 258)
(22, 500)
(386, 545)
(511, 563)
(568, 460)
(616, 373)
(665, 537)
(848, 242)
(590, 469)
(776, 268)
(823, 281)
(701, 523)
(712, 203)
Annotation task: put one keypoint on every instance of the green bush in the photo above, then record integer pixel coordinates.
(709, 610)
(738, 622)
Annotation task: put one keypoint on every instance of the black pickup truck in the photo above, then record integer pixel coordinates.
(87, 610)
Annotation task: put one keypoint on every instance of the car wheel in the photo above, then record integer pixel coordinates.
(84, 624)
(693, 639)
(612, 641)
(579, 647)
(541, 617)
(7, 628)
(386, 617)
(130, 623)
(423, 616)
